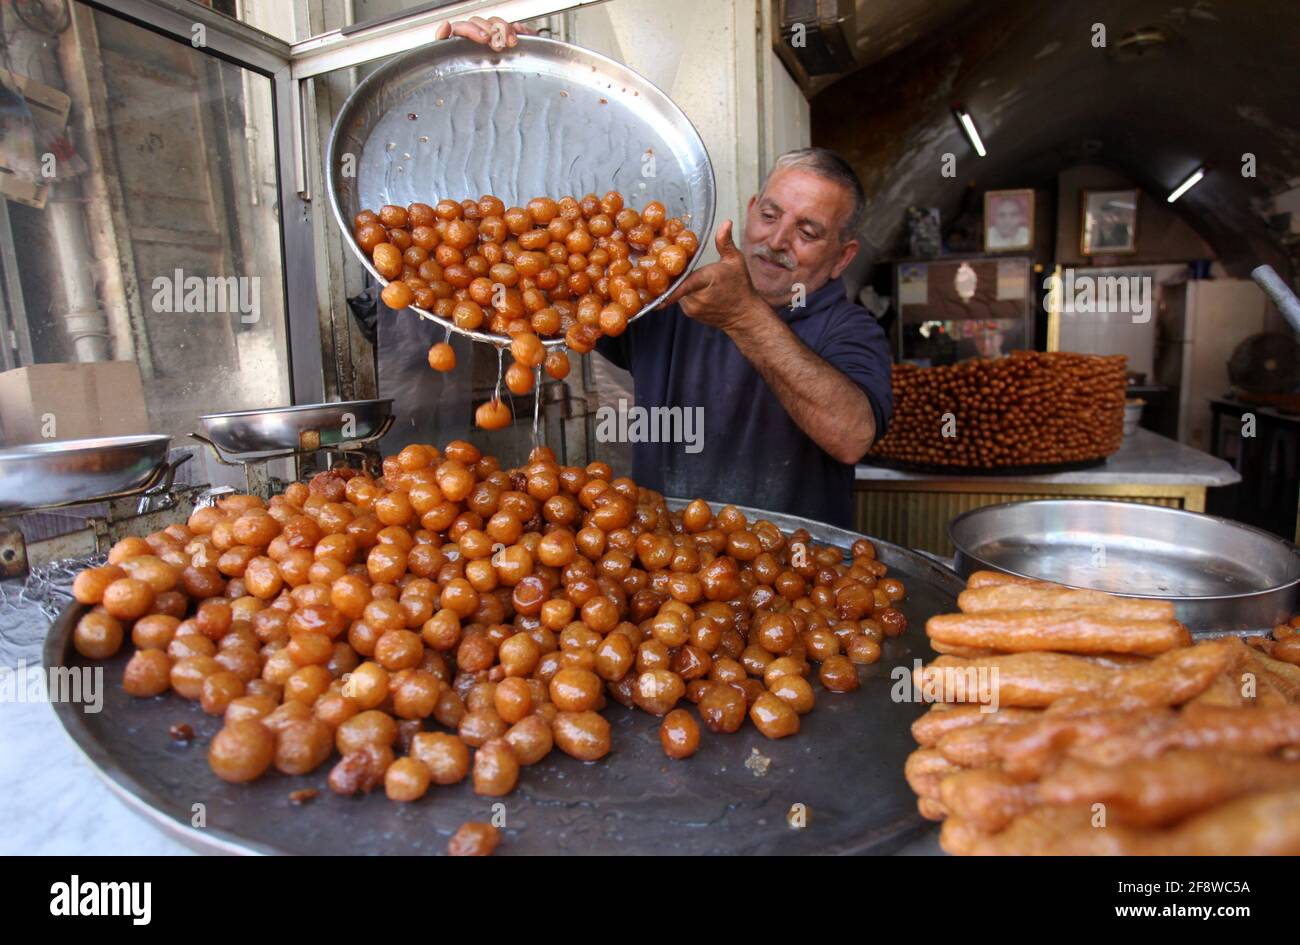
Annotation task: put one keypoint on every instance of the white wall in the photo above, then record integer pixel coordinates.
(714, 59)
(1221, 313)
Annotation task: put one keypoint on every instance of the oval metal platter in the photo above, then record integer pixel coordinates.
(732, 797)
(456, 120)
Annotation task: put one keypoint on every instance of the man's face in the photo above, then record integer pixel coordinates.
(792, 234)
(1007, 219)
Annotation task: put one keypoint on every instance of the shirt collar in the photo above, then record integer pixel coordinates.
(823, 298)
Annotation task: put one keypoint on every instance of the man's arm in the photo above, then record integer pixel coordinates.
(830, 408)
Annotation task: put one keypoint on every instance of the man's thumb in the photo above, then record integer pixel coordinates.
(723, 241)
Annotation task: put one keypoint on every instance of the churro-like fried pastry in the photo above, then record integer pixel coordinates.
(1245, 730)
(1048, 831)
(988, 798)
(994, 578)
(1075, 685)
(1109, 629)
(1268, 695)
(1029, 749)
(1004, 597)
(1264, 824)
(1283, 677)
(967, 652)
(931, 809)
(1023, 679)
(924, 769)
(938, 722)
(1224, 691)
(971, 747)
(1170, 679)
(1117, 660)
(960, 837)
(1114, 733)
(1158, 791)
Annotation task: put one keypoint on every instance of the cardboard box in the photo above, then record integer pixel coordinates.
(49, 108)
(47, 402)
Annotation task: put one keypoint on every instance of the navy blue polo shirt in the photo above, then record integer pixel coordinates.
(752, 452)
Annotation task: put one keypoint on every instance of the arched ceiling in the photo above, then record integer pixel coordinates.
(1223, 83)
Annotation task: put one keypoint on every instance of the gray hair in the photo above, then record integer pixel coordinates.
(828, 165)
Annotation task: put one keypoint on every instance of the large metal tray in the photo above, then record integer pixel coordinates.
(47, 475)
(1219, 574)
(306, 426)
(455, 119)
(845, 767)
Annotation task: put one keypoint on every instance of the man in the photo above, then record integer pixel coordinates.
(792, 379)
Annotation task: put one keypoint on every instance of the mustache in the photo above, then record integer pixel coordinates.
(784, 260)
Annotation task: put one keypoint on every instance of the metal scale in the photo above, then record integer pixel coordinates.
(134, 476)
(253, 439)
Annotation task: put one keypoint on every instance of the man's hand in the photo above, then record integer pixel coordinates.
(721, 293)
(494, 32)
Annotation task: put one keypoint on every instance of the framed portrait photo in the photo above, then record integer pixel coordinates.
(1109, 222)
(1008, 221)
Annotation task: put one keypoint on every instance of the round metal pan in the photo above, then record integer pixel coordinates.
(845, 767)
(42, 475)
(1219, 574)
(307, 426)
(456, 120)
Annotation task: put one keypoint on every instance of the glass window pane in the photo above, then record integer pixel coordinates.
(156, 241)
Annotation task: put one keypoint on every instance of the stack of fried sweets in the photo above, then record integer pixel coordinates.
(1075, 722)
(1030, 408)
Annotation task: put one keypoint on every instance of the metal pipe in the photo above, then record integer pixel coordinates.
(1280, 293)
(83, 319)
(73, 264)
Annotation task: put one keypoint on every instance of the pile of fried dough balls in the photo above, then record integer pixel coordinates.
(577, 269)
(453, 619)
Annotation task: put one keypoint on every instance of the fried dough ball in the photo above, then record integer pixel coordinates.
(128, 598)
(445, 756)
(531, 738)
(773, 716)
(442, 357)
(679, 734)
(474, 839)
(397, 295)
(407, 779)
(148, 673)
(241, 751)
(493, 415)
(98, 635)
(496, 769)
(519, 378)
(302, 747)
(556, 365)
(88, 587)
(582, 735)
